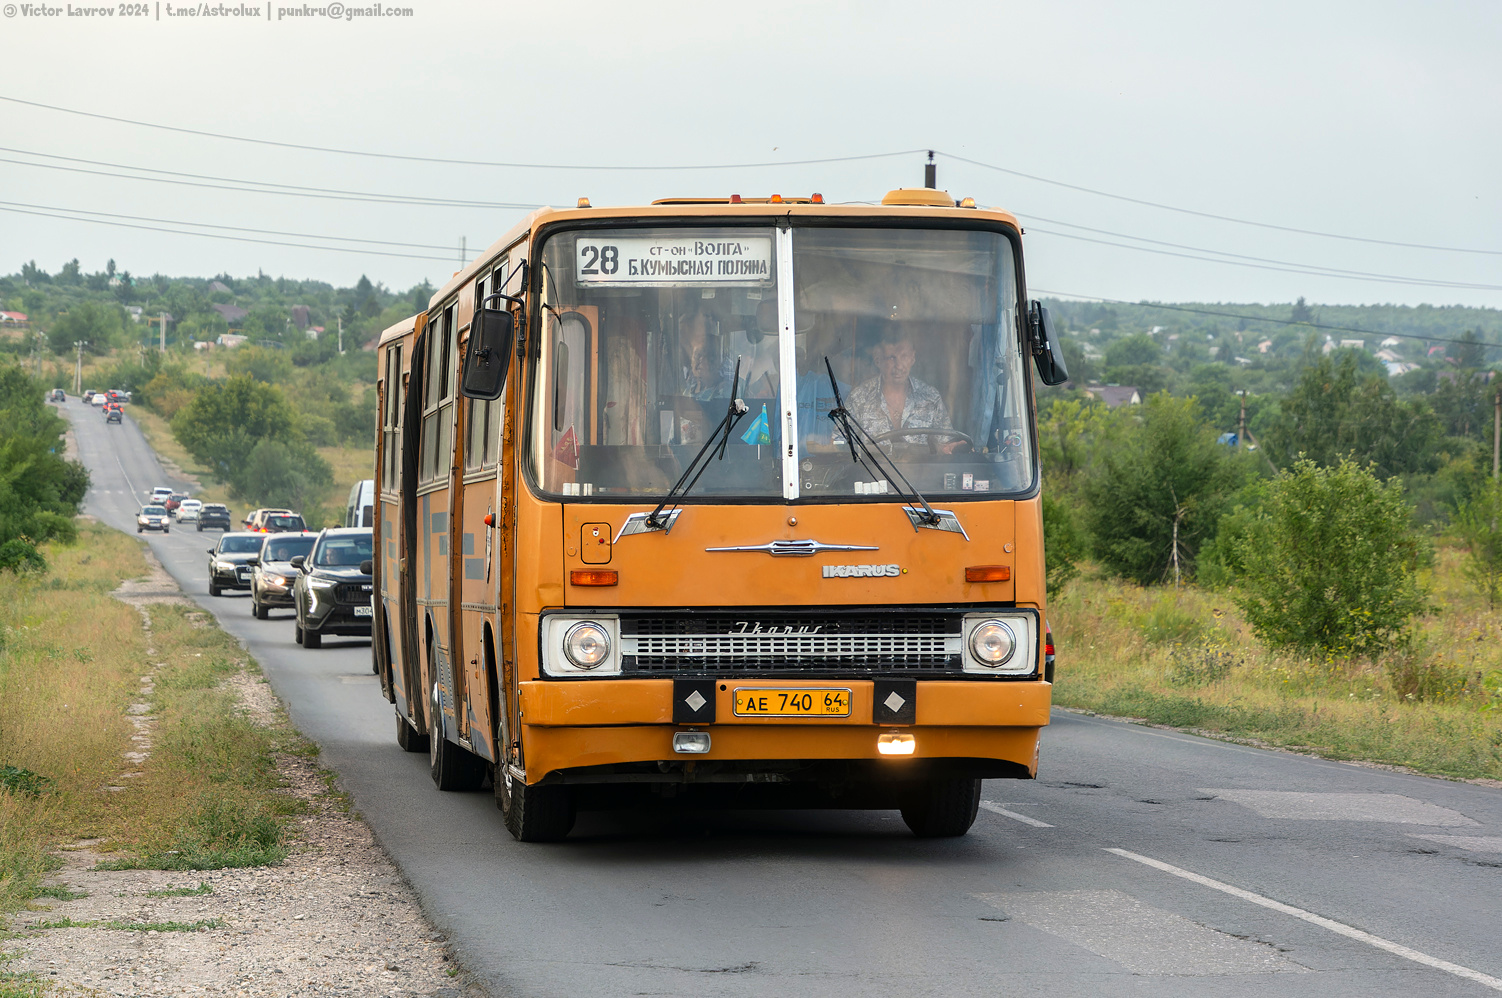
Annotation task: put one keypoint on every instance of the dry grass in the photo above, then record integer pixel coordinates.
(71, 662)
(1186, 658)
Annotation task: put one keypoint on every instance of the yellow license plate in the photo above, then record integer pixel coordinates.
(792, 703)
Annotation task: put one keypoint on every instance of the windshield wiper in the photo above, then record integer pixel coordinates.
(721, 435)
(856, 436)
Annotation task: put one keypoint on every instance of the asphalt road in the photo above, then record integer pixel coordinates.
(1140, 862)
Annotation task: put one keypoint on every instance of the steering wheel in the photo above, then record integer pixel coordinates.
(924, 431)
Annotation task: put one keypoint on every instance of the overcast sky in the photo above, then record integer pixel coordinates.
(1381, 121)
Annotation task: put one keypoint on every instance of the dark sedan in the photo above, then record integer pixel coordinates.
(333, 594)
(227, 561)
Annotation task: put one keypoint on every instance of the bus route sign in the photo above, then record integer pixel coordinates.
(689, 258)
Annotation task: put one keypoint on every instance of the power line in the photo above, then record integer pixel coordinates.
(288, 189)
(452, 162)
(1312, 268)
(1350, 276)
(1258, 318)
(1218, 218)
(239, 239)
(230, 228)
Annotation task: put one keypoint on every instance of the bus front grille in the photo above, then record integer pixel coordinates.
(858, 643)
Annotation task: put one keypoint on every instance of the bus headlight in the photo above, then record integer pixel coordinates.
(1001, 643)
(581, 646)
(586, 645)
(992, 643)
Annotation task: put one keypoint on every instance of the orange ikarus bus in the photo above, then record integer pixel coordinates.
(730, 499)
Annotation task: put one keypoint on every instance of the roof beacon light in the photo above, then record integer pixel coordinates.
(775, 199)
(736, 199)
(817, 199)
(583, 203)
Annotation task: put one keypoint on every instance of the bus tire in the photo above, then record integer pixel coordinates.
(454, 768)
(536, 813)
(408, 738)
(942, 808)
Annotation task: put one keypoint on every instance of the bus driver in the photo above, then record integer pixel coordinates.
(895, 401)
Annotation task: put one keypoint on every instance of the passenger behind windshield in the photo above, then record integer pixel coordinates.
(346, 551)
(287, 548)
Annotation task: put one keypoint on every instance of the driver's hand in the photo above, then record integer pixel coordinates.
(952, 446)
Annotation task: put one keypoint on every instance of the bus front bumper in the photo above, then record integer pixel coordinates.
(594, 723)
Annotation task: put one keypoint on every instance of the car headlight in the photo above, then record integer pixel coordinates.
(586, 645)
(277, 580)
(1001, 644)
(318, 582)
(581, 647)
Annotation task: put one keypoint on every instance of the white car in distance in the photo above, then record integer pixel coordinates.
(187, 510)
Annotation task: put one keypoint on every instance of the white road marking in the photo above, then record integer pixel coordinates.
(1116, 925)
(1025, 819)
(1304, 806)
(1473, 843)
(1397, 949)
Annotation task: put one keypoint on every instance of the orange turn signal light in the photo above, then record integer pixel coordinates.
(817, 199)
(735, 199)
(489, 519)
(595, 577)
(988, 573)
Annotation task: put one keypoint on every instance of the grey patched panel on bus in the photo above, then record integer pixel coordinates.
(474, 568)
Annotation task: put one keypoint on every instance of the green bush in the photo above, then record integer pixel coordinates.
(1478, 521)
(1063, 544)
(1330, 564)
(1155, 499)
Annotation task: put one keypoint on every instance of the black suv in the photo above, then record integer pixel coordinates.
(227, 561)
(214, 515)
(333, 593)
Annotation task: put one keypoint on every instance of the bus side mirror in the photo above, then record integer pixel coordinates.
(488, 356)
(1048, 352)
(367, 567)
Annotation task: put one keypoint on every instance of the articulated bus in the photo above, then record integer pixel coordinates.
(733, 500)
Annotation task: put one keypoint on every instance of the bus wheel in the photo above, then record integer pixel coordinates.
(453, 767)
(942, 808)
(408, 738)
(533, 814)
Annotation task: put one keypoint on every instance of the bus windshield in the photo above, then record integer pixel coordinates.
(645, 328)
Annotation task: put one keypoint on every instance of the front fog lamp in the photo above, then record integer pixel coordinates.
(992, 643)
(691, 742)
(586, 645)
(896, 743)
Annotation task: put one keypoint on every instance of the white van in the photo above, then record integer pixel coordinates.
(360, 511)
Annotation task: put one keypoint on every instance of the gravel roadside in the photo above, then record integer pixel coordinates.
(335, 918)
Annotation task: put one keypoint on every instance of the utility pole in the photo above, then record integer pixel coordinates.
(78, 367)
(36, 352)
(1241, 423)
(463, 250)
(341, 335)
(162, 341)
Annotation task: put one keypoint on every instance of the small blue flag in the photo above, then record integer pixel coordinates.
(760, 431)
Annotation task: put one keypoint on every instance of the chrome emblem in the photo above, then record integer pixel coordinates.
(862, 571)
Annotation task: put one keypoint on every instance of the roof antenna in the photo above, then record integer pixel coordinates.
(931, 173)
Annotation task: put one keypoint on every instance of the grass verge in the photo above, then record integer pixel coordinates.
(1186, 659)
(72, 660)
